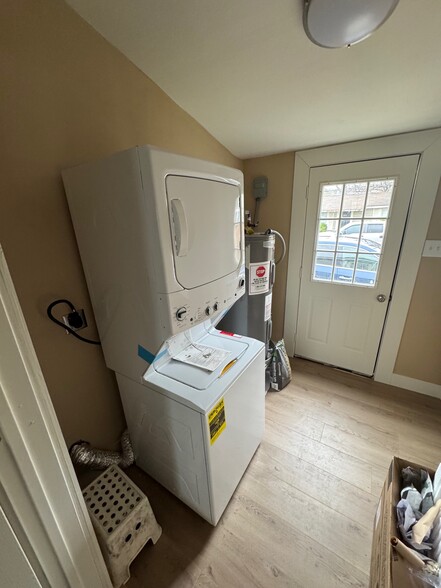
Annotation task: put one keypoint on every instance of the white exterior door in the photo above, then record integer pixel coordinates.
(356, 215)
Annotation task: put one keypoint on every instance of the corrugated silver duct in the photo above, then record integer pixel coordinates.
(100, 459)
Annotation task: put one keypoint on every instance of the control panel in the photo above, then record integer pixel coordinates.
(186, 308)
(189, 315)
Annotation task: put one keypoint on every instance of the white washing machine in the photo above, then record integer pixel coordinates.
(195, 431)
(161, 238)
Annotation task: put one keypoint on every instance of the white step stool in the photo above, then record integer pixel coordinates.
(123, 521)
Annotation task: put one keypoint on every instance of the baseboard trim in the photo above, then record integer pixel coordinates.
(416, 385)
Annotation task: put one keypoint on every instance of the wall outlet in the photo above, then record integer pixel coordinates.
(432, 249)
(76, 320)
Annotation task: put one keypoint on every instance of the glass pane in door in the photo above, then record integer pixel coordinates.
(351, 228)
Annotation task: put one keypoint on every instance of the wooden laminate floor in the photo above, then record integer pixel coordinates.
(302, 515)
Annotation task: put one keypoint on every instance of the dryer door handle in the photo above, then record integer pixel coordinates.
(181, 227)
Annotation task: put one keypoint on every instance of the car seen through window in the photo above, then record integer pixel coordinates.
(370, 229)
(346, 261)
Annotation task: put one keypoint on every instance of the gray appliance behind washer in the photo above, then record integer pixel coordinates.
(247, 315)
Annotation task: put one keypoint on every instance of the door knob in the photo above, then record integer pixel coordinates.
(381, 297)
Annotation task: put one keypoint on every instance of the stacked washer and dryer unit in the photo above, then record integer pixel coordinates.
(160, 276)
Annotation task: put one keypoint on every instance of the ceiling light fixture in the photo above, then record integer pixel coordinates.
(342, 23)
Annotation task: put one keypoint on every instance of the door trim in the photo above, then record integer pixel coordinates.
(428, 145)
(38, 486)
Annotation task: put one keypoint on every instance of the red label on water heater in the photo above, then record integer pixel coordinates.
(260, 271)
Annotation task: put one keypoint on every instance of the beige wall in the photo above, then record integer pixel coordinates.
(419, 355)
(275, 213)
(67, 97)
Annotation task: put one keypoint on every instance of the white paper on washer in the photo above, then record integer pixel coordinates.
(177, 343)
(208, 358)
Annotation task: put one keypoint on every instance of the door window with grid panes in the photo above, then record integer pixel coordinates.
(351, 228)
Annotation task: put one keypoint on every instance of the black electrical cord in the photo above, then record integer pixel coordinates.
(57, 322)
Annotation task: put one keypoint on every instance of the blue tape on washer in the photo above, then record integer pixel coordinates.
(147, 356)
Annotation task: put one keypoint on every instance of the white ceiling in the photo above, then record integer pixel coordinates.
(245, 70)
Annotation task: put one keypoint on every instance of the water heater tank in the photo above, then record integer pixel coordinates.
(251, 315)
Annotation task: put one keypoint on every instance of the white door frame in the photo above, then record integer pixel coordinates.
(39, 492)
(428, 145)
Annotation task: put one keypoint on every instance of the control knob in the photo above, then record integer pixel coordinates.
(208, 311)
(215, 306)
(181, 313)
(241, 283)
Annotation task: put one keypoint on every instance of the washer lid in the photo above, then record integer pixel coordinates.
(203, 399)
(200, 378)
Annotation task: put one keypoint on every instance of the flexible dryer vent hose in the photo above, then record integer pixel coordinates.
(100, 459)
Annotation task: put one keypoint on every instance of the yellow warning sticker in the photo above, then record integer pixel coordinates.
(216, 421)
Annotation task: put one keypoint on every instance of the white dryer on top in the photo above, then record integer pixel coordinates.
(162, 245)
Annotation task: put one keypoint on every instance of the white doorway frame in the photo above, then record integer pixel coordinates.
(427, 144)
(39, 491)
